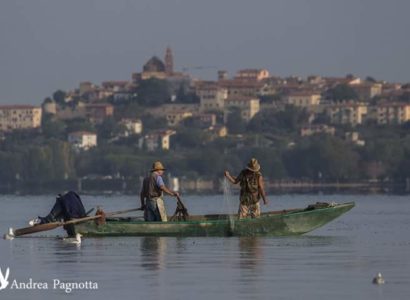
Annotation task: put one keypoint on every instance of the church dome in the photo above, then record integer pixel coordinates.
(154, 65)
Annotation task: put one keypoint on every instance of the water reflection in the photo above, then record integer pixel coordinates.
(65, 253)
(250, 256)
(250, 252)
(153, 250)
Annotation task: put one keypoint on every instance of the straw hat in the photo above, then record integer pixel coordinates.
(253, 165)
(157, 166)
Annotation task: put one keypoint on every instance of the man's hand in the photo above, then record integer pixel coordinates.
(265, 202)
(175, 194)
(143, 207)
(230, 178)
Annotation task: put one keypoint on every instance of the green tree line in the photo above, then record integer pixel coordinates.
(316, 157)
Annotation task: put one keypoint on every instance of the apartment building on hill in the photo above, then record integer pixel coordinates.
(14, 117)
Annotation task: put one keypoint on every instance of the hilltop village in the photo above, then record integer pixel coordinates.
(311, 129)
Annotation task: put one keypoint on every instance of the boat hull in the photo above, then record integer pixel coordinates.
(280, 223)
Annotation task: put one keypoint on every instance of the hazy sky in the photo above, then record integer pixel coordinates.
(54, 44)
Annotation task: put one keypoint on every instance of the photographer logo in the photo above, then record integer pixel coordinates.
(54, 284)
(4, 279)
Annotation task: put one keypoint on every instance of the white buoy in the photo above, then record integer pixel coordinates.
(76, 240)
(378, 279)
(10, 235)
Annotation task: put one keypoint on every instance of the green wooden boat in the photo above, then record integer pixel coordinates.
(274, 223)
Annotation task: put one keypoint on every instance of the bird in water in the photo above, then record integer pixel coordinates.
(378, 279)
(71, 240)
(9, 235)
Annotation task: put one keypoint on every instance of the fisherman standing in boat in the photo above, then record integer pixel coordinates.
(151, 194)
(252, 189)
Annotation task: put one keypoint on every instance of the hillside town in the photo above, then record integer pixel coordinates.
(160, 110)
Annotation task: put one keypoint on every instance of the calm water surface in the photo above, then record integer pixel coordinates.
(337, 261)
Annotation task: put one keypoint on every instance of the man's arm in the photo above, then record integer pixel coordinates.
(231, 178)
(261, 186)
(168, 191)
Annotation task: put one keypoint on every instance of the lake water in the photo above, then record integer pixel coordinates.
(337, 261)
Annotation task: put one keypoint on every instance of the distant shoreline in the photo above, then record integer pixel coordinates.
(202, 186)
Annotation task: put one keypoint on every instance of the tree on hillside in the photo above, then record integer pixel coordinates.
(51, 161)
(150, 122)
(290, 119)
(52, 128)
(79, 124)
(206, 162)
(371, 79)
(235, 123)
(11, 165)
(59, 97)
(324, 156)
(62, 159)
(388, 153)
(190, 137)
(184, 95)
(342, 92)
(109, 128)
(403, 169)
(405, 97)
(153, 92)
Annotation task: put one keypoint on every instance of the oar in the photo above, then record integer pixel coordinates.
(53, 225)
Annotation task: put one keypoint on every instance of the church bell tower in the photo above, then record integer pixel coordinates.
(169, 62)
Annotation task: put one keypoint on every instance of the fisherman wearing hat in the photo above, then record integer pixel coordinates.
(252, 189)
(151, 194)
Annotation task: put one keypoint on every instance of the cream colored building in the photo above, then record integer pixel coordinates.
(82, 140)
(132, 126)
(98, 112)
(353, 137)
(19, 117)
(157, 140)
(351, 113)
(68, 113)
(176, 117)
(218, 131)
(367, 91)
(317, 129)
(249, 106)
(393, 113)
(252, 74)
(242, 88)
(49, 107)
(304, 99)
(212, 97)
(167, 109)
(86, 87)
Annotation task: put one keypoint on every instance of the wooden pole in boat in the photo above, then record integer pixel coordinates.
(53, 225)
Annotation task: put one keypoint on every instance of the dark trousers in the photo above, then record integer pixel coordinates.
(58, 213)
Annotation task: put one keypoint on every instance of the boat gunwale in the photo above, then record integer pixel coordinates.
(265, 215)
